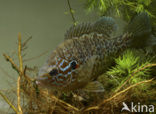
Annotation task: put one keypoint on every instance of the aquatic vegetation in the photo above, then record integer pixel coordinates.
(127, 67)
(130, 78)
(88, 51)
(128, 63)
(125, 8)
(125, 64)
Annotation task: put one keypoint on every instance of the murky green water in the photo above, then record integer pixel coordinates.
(44, 20)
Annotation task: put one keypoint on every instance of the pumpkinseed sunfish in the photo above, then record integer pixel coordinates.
(88, 50)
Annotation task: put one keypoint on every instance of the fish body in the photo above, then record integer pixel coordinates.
(86, 53)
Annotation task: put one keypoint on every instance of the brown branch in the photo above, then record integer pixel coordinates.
(19, 54)
(21, 73)
(61, 102)
(12, 62)
(26, 41)
(7, 100)
(9, 59)
(18, 95)
(71, 12)
(133, 74)
(117, 94)
(32, 58)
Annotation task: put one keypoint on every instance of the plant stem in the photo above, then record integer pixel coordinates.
(21, 72)
(7, 100)
(71, 12)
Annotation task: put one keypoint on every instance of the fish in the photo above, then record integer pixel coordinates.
(89, 50)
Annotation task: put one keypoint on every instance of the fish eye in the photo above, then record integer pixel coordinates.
(73, 64)
(53, 72)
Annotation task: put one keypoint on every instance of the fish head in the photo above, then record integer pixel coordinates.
(59, 71)
(66, 68)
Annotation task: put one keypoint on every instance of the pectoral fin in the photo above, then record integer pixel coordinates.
(85, 70)
(94, 86)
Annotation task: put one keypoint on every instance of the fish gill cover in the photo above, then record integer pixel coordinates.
(93, 70)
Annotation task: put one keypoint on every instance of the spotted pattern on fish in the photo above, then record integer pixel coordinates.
(87, 52)
(80, 50)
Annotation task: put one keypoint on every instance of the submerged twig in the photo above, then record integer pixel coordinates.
(61, 102)
(71, 12)
(128, 88)
(22, 76)
(18, 95)
(7, 100)
(19, 54)
(117, 94)
(146, 66)
(21, 73)
(12, 62)
(32, 58)
(9, 59)
(26, 41)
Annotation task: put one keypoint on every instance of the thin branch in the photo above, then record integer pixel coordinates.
(21, 72)
(26, 41)
(117, 94)
(32, 58)
(19, 54)
(133, 74)
(12, 62)
(23, 46)
(71, 12)
(18, 95)
(7, 100)
(61, 102)
(9, 59)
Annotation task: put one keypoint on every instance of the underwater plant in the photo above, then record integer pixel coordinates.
(128, 64)
(124, 8)
(130, 77)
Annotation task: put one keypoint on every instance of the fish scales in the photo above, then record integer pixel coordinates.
(88, 51)
(82, 49)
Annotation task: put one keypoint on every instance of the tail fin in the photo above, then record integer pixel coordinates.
(141, 30)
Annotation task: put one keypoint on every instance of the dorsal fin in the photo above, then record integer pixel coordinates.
(78, 30)
(105, 26)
